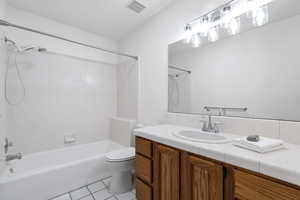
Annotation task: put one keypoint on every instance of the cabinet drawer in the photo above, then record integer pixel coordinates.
(143, 147)
(143, 191)
(144, 168)
(251, 187)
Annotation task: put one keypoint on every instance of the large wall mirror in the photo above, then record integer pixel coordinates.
(251, 70)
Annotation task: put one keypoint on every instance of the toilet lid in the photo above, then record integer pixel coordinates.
(121, 155)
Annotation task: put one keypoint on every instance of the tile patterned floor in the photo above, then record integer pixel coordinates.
(95, 191)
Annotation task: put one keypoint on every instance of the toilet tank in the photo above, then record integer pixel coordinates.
(121, 131)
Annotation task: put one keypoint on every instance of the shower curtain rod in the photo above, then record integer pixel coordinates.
(180, 69)
(6, 23)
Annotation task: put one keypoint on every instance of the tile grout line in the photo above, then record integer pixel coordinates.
(106, 187)
(90, 192)
(115, 197)
(70, 195)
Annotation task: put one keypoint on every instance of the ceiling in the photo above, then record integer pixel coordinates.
(109, 18)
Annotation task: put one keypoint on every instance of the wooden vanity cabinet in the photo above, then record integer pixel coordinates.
(248, 186)
(166, 173)
(144, 169)
(201, 179)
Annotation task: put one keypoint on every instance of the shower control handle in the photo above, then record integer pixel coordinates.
(10, 157)
(7, 144)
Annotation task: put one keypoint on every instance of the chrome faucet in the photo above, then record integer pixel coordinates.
(7, 144)
(11, 157)
(209, 126)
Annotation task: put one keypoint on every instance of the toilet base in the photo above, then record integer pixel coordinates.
(121, 182)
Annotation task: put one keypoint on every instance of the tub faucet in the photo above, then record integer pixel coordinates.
(7, 144)
(11, 157)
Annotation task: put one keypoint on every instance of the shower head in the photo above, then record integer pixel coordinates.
(22, 49)
(29, 48)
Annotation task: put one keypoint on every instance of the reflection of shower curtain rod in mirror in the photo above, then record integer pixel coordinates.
(180, 69)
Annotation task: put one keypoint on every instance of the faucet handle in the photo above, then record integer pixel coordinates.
(204, 124)
(216, 126)
(7, 144)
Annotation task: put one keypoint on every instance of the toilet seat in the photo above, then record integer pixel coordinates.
(121, 155)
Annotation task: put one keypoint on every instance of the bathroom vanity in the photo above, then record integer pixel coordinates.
(169, 168)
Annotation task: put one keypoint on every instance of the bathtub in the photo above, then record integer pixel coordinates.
(40, 176)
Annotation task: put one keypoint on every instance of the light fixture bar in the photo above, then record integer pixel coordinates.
(227, 16)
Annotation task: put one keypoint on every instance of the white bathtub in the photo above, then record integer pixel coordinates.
(41, 176)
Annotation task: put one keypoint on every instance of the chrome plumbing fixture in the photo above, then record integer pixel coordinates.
(10, 157)
(209, 126)
(7, 144)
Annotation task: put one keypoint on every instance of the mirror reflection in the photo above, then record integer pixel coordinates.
(248, 68)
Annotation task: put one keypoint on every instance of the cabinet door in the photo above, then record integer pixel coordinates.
(166, 173)
(200, 179)
(251, 187)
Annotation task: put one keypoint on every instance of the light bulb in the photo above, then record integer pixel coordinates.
(234, 26)
(225, 17)
(188, 34)
(260, 16)
(196, 40)
(213, 34)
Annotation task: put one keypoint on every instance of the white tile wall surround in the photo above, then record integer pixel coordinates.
(290, 132)
(244, 126)
(3, 58)
(285, 130)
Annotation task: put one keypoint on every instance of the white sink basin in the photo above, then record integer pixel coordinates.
(201, 136)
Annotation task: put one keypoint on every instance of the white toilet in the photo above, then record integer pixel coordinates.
(121, 162)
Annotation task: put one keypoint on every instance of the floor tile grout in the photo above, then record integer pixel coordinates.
(90, 193)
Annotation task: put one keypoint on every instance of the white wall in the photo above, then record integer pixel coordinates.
(2, 69)
(127, 88)
(28, 19)
(150, 42)
(247, 70)
(64, 94)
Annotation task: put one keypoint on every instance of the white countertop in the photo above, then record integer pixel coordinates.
(283, 164)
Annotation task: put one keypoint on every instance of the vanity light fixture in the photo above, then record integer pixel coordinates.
(260, 16)
(213, 34)
(188, 34)
(226, 16)
(234, 26)
(196, 40)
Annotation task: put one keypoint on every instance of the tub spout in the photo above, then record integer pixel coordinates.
(13, 157)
